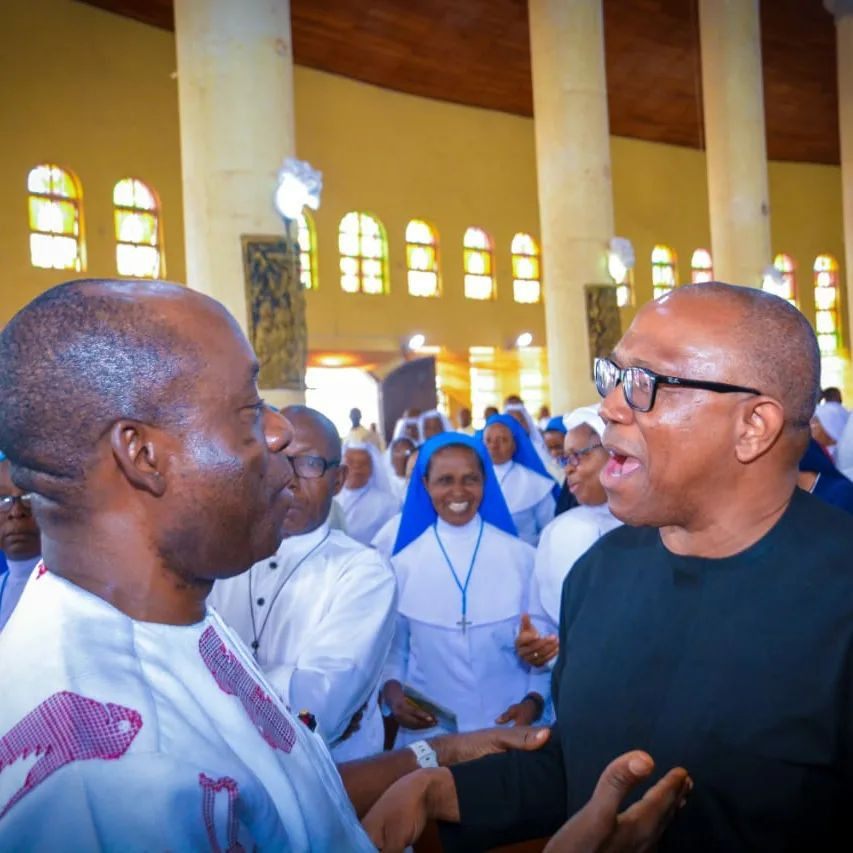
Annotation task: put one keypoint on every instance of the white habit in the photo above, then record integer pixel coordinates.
(12, 583)
(529, 497)
(322, 609)
(563, 542)
(385, 539)
(366, 510)
(476, 673)
(132, 736)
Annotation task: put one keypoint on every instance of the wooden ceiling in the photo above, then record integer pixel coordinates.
(477, 52)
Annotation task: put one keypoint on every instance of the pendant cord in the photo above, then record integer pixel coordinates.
(256, 635)
(463, 588)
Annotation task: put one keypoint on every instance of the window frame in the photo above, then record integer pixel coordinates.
(76, 201)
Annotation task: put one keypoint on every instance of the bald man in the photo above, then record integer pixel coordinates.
(715, 629)
(132, 717)
(318, 614)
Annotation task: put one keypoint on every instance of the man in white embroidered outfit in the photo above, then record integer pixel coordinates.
(132, 718)
(319, 614)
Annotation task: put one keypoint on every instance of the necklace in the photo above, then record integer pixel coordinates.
(256, 634)
(463, 623)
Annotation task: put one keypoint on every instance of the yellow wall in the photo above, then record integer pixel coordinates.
(94, 92)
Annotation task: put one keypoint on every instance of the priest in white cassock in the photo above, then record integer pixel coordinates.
(367, 498)
(319, 614)
(529, 491)
(573, 532)
(20, 541)
(132, 717)
(463, 578)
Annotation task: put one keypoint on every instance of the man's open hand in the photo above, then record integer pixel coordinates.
(454, 749)
(599, 827)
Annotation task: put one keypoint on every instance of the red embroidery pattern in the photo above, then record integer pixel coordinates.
(210, 788)
(233, 679)
(67, 727)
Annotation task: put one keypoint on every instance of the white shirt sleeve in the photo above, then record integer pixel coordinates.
(341, 664)
(544, 512)
(397, 663)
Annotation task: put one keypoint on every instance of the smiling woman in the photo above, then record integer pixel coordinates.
(463, 579)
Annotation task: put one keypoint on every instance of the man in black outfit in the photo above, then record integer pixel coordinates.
(715, 632)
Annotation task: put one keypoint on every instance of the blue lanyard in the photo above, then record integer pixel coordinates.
(463, 588)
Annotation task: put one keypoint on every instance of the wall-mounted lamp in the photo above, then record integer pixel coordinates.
(772, 279)
(297, 185)
(620, 259)
(416, 342)
(525, 339)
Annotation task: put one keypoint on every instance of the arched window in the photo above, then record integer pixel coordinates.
(478, 250)
(137, 223)
(422, 258)
(56, 231)
(827, 309)
(787, 288)
(306, 236)
(701, 266)
(526, 269)
(364, 254)
(664, 275)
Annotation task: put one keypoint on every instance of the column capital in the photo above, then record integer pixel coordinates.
(839, 8)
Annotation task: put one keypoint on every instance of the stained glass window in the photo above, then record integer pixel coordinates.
(526, 269)
(137, 224)
(787, 288)
(701, 266)
(56, 233)
(364, 254)
(664, 275)
(422, 258)
(307, 239)
(827, 309)
(478, 250)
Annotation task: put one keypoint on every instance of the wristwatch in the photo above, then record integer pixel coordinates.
(424, 754)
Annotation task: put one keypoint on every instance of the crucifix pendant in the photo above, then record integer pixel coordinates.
(255, 645)
(463, 623)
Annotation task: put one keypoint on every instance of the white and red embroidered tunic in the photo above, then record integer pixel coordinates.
(125, 735)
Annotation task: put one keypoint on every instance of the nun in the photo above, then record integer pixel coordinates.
(395, 460)
(529, 491)
(463, 580)
(367, 498)
(573, 532)
(828, 425)
(820, 477)
(432, 422)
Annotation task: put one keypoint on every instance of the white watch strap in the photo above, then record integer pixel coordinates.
(424, 754)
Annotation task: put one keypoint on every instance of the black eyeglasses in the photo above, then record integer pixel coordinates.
(8, 501)
(576, 456)
(640, 385)
(311, 467)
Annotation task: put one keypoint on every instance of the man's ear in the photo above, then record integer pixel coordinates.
(762, 421)
(340, 478)
(135, 449)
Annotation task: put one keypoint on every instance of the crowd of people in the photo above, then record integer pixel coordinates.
(225, 626)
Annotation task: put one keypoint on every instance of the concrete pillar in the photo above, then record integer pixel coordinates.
(843, 10)
(735, 139)
(235, 95)
(574, 181)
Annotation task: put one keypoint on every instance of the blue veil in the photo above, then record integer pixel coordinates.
(556, 424)
(525, 453)
(418, 512)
